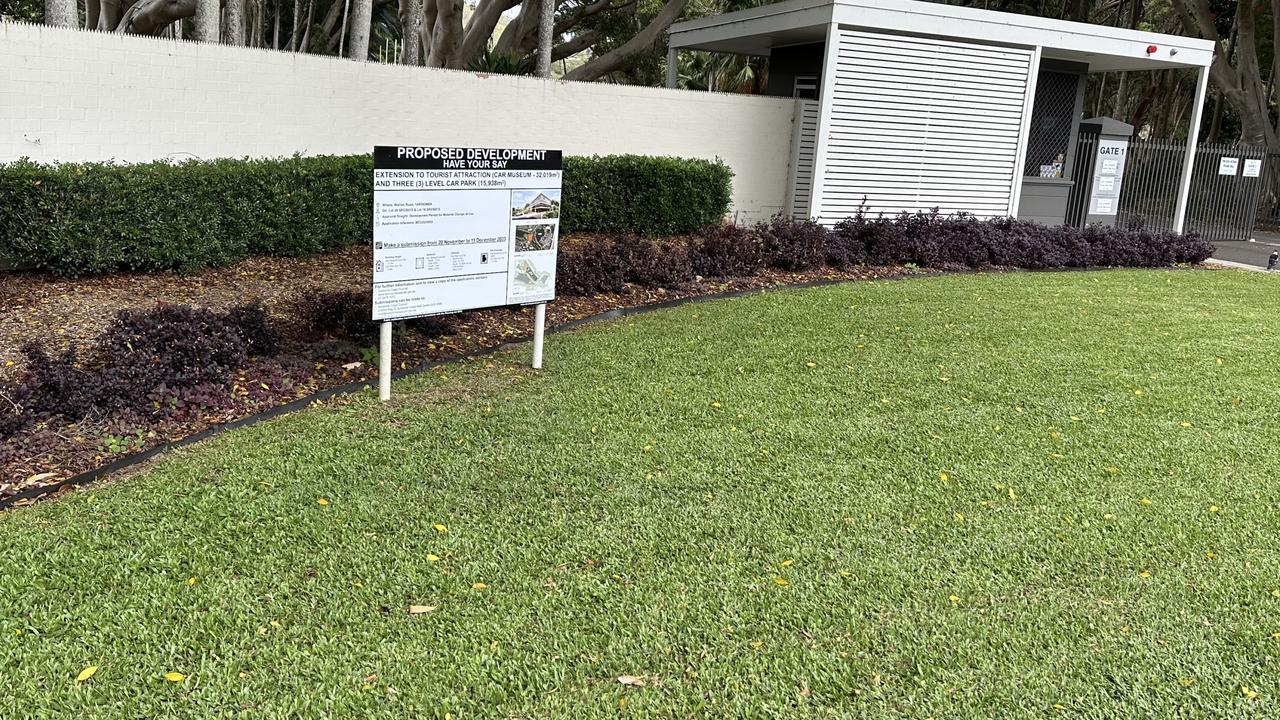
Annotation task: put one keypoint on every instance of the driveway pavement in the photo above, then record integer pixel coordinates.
(1250, 253)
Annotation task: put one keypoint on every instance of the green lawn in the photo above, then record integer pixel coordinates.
(1025, 495)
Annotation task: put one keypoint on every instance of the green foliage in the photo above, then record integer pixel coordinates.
(79, 219)
(98, 217)
(642, 194)
(500, 63)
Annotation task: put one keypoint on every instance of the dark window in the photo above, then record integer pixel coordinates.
(1052, 118)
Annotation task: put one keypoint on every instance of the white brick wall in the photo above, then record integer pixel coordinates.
(68, 95)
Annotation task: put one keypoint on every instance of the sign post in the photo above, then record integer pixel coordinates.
(458, 228)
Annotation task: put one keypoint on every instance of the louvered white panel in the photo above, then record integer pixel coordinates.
(806, 144)
(917, 124)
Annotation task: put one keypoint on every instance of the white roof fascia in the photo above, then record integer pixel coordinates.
(926, 18)
(1073, 40)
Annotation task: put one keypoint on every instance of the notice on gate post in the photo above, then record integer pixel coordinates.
(1108, 176)
(458, 228)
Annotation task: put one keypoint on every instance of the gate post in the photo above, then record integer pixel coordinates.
(1110, 149)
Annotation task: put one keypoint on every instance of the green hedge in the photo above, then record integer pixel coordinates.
(647, 195)
(98, 217)
(77, 219)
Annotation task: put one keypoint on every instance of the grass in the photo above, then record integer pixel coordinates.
(1028, 495)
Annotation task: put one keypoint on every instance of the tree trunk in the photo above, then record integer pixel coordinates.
(62, 13)
(109, 14)
(151, 17)
(206, 21)
(1240, 83)
(361, 19)
(294, 37)
(233, 29)
(619, 57)
(546, 36)
(306, 32)
(480, 27)
(447, 34)
(410, 29)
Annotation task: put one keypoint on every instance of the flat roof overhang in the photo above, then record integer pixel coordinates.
(758, 30)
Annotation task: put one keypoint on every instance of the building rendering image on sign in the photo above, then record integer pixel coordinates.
(459, 228)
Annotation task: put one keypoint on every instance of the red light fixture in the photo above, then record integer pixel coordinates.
(1151, 49)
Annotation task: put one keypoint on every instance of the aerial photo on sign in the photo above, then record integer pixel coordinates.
(463, 228)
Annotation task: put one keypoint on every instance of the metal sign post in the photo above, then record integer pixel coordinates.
(384, 361)
(458, 228)
(539, 329)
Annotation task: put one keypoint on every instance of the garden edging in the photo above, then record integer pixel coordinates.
(30, 495)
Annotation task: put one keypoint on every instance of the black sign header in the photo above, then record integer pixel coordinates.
(421, 157)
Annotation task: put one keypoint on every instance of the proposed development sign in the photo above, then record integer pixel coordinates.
(459, 228)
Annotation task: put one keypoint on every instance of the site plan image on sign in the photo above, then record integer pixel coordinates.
(458, 228)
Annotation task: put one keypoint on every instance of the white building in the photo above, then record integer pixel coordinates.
(907, 106)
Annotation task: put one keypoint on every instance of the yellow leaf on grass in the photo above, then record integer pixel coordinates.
(322, 501)
(478, 586)
(1185, 682)
(86, 673)
(632, 680)
(1214, 508)
(780, 581)
(1275, 593)
(959, 517)
(441, 528)
(943, 477)
(812, 365)
(420, 609)
(1145, 501)
(174, 676)
(432, 557)
(191, 580)
(1144, 574)
(955, 599)
(1245, 691)
(787, 563)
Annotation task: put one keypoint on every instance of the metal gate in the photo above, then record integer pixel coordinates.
(1224, 197)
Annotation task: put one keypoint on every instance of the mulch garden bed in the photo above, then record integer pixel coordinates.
(65, 312)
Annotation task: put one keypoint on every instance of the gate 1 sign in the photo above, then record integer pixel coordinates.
(1108, 175)
(460, 228)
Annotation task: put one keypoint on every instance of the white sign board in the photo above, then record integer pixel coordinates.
(1252, 168)
(1228, 165)
(458, 228)
(1108, 176)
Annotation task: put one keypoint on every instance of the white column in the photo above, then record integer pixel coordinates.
(1189, 159)
(827, 86)
(1024, 132)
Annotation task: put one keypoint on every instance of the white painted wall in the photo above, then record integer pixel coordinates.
(68, 95)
